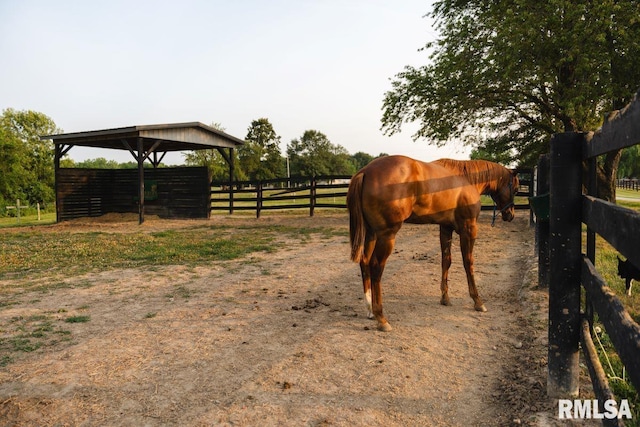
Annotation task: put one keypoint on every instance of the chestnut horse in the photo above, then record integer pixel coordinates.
(395, 189)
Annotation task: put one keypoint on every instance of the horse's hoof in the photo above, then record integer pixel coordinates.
(481, 308)
(384, 327)
(445, 302)
(370, 316)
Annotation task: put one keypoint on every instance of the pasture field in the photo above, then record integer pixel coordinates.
(628, 194)
(45, 219)
(257, 320)
(244, 321)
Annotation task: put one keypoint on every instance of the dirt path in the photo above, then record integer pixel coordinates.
(282, 338)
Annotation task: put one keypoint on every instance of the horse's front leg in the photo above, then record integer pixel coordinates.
(446, 234)
(467, 239)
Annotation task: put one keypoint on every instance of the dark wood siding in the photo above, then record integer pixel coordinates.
(181, 192)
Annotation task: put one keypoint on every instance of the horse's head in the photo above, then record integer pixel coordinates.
(504, 196)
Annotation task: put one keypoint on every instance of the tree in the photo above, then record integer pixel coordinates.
(313, 154)
(361, 159)
(11, 166)
(26, 161)
(100, 163)
(504, 76)
(630, 163)
(260, 156)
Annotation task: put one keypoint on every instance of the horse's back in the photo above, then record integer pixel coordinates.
(398, 189)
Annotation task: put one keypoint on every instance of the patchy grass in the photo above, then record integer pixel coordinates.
(28, 334)
(39, 259)
(77, 319)
(32, 252)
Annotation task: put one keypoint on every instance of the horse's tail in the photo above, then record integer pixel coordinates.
(357, 229)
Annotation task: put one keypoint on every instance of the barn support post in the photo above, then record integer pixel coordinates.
(565, 226)
(231, 175)
(140, 158)
(56, 176)
(542, 225)
(59, 151)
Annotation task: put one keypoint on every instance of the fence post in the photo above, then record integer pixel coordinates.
(312, 195)
(542, 226)
(259, 198)
(565, 226)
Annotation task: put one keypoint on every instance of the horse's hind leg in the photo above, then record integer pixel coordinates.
(446, 234)
(381, 252)
(365, 270)
(467, 239)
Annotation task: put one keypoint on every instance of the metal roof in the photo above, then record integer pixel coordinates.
(162, 137)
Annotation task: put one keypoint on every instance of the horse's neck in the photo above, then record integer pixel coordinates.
(487, 183)
(486, 187)
(486, 177)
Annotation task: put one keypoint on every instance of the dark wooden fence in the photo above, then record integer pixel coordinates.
(328, 191)
(169, 192)
(628, 184)
(570, 268)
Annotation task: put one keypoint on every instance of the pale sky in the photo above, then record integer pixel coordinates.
(302, 64)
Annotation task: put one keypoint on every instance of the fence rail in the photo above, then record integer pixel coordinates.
(326, 191)
(570, 268)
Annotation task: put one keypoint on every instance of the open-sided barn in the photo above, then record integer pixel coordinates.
(166, 192)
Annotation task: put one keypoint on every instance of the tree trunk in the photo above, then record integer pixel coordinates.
(607, 173)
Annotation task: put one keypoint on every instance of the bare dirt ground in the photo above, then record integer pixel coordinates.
(282, 338)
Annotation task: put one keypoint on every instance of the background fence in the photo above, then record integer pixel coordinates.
(327, 191)
(628, 183)
(570, 268)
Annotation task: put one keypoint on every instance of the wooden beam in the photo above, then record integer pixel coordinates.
(64, 149)
(617, 225)
(151, 150)
(157, 161)
(623, 331)
(224, 155)
(620, 130)
(131, 150)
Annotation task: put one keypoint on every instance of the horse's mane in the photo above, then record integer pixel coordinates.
(476, 171)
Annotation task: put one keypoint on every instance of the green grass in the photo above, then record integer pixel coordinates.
(28, 220)
(29, 334)
(34, 253)
(629, 194)
(77, 319)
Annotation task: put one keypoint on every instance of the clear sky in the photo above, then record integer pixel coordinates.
(302, 64)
